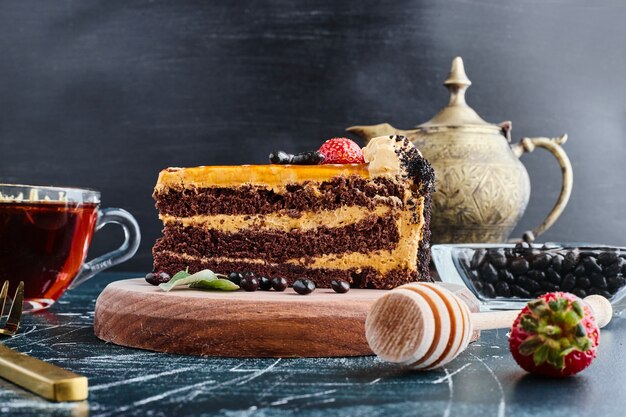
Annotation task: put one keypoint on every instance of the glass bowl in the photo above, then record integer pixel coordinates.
(507, 276)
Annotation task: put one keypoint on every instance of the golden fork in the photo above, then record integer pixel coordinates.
(44, 379)
(15, 313)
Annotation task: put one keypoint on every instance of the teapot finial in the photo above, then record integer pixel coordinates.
(457, 112)
(457, 82)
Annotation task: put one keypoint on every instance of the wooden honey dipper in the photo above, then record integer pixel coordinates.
(425, 326)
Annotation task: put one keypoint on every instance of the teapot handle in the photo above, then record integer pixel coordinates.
(554, 146)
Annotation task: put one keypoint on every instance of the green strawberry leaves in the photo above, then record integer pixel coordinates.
(578, 308)
(530, 345)
(529, 323)
(541, 354)
(202, 280)
(539, 308)
(555, 330)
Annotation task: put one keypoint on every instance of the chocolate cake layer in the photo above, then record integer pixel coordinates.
(308, 196)
(365, 236)
(365, 278)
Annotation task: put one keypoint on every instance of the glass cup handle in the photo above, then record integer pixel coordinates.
(132, 237)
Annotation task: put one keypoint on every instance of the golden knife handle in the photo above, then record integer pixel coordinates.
(42, 378)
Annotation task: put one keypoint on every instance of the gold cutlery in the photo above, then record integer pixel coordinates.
(44, 379)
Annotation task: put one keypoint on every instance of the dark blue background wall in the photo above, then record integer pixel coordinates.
(104, 94)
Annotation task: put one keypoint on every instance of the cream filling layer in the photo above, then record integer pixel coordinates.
(280, 221)
(383, 261)
(403, 256)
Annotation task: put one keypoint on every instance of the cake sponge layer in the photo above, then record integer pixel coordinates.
(252, 199)
(370, 234)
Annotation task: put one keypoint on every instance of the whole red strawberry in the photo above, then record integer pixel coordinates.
(555, 335)
(341, 151)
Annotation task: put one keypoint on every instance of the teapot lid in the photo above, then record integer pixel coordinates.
(457, 112)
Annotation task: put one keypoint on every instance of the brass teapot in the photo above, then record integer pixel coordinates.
(482, 187)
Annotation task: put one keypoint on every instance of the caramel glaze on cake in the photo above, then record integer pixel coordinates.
(364, 223)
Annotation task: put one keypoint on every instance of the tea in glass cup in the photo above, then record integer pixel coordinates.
(45, 233)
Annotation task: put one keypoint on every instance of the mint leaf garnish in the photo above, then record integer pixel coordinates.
(179, 275)
(200, 280)
(216, 284)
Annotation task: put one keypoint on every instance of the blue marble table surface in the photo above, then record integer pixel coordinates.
(483, 381)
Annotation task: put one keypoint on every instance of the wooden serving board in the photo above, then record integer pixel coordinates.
(238, 324)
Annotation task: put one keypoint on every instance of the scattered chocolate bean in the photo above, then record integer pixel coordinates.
(303, 286)
(591, 265)
(557, 262)
(506, 276)
(528, 284)
(502, 289)
(568, 283)
(519, 266)
(475, 275)
(340, 286)
(497, 257)
(616, 282)
(613, 269)
(280, 157)
(488, 273)
(489, 290)
(599, 291)
(607, 257)
(303, 158)
(553, 276)
(265, 284)
(541, 261)
(536, 275)
(570, 261)
(235, 278)
(156, 278)
(583, 282)
(579, 292)
(308, 158)
(279, 284)
(249, 282)
(519, 291)
(597, 280)
(478, 258)
(580, 271)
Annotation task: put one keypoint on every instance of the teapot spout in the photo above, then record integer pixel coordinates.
(372, 131)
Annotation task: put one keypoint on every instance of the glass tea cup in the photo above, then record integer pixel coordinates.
(45, 233)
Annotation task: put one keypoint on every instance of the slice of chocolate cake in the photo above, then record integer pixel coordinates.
(363, 223)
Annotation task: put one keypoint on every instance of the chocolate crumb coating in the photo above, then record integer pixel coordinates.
(417, 167)
(423, 253)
